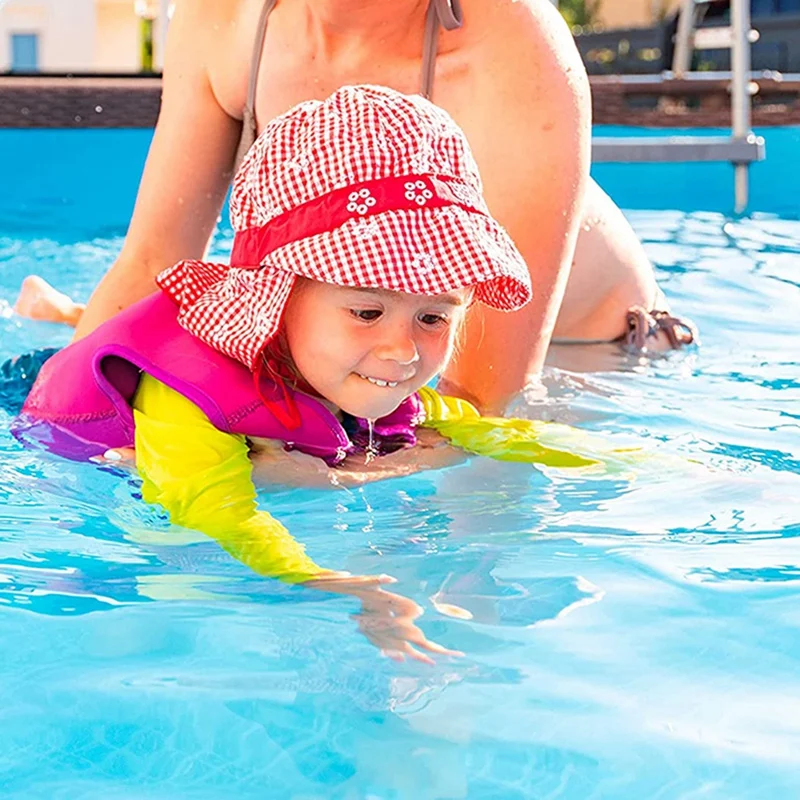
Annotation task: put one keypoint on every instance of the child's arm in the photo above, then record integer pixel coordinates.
(530, 441)
(203, 478)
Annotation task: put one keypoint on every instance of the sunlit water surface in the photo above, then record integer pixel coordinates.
(629, 638)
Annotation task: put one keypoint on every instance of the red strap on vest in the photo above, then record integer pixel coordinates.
(285, 411)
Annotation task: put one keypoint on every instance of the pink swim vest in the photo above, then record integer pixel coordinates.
(80, 404)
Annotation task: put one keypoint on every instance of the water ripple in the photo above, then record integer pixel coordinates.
(627, 636)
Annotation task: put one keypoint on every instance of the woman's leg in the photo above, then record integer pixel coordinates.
(611, 283)
(39, 300)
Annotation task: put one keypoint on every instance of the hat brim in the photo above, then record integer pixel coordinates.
(238, 310)
(430, 251)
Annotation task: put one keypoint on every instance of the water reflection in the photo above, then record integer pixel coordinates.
(634, 636)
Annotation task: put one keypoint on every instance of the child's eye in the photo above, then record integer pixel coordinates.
(366, 314)
(432, 319)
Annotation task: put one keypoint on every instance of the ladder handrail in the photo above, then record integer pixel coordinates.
(684, 37)
(740, 67)
(691, 13)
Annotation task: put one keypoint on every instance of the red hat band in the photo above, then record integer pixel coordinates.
(359, 201)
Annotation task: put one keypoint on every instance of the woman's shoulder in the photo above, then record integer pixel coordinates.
(214, 11)
(216, 36)
(530, 30)
(202, 34)
(516, 85)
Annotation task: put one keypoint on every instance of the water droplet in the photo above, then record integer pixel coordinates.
(78, 118)
(98, 109)
(371, 452)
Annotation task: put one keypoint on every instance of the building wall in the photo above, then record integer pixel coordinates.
(634, 13)
(79, 35)
(118, 47)
(66, 31)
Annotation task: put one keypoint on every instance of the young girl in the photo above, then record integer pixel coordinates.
(361, 238)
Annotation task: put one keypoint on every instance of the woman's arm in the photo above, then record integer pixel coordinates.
(188, 168)
(528, 120)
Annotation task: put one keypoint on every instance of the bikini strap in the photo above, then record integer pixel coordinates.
(249, 122)
(446, 13)
(449, 15)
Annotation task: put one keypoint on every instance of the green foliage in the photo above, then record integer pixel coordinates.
(146, 44)
(662, 11)
(579, 12)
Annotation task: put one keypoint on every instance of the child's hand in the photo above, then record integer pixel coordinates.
(118, 457)
(273, 466)
(386, 618)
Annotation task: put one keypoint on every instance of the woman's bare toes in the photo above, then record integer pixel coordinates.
(39, 300)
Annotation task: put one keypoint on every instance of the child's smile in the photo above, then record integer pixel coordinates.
(378, 381)
(366, 350)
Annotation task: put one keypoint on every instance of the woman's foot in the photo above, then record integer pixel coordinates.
(39, 300)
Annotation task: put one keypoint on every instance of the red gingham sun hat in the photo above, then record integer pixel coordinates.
(370, 188)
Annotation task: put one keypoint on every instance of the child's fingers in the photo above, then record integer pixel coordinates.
(386, 618)
(417, 637)
(395, 655)
(119, 455)
(450, 609)
(415, 654)
(347, 577)
(394, 635)
(406, 650)
(433, 647)
(385, 603)
(344, 582)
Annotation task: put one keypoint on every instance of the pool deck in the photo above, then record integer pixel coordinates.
(134, 101)
(79, 102)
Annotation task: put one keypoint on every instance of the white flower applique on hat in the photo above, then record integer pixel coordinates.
(418, 192)
(360, 202)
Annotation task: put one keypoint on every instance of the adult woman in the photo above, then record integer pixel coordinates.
(506, 70)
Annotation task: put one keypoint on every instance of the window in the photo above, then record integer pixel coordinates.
(766, 8)
(24, 52)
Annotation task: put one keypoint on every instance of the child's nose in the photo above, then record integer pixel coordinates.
(399, 347)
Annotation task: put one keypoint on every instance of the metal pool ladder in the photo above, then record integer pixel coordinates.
(743, 147)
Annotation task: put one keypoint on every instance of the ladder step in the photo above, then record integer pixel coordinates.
(719, 38)
(637, 150)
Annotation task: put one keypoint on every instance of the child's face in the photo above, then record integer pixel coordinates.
(366, 350)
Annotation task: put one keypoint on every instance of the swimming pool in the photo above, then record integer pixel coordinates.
(629, 639)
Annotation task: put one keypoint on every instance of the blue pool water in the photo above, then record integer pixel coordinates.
(630, 638)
